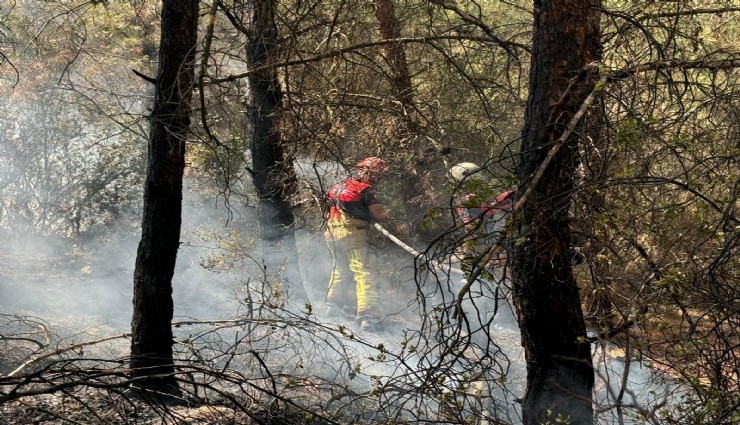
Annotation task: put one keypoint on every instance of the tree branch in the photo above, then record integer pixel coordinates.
(145, 77)
(470, 19)
(36, 359)
(351, 49)
(710, 65)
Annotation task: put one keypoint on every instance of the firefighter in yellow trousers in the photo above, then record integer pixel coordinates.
(353, 207)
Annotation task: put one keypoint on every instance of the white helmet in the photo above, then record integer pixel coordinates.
(464, 170)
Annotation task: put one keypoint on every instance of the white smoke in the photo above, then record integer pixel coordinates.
(86, 288)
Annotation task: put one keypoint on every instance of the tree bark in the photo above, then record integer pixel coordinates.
(151, 342)
(412, 182)
(403, 92)
(390, 28)
(559, 366)
(273, 173)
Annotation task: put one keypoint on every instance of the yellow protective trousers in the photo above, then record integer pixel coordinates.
(352, 255)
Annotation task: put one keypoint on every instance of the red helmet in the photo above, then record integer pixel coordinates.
(373, 164)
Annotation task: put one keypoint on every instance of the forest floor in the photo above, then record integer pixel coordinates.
(65, 289)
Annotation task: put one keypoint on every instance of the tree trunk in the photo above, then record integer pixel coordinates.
(274, 177)
(559, 366)
(390, 28)
(151, 343)
(412, 183)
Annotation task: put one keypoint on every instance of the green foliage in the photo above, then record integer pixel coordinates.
(559, 418)
(222, 158)
(432, 217)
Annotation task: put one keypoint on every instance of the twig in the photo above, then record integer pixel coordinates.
(145, 77)
(36, 359)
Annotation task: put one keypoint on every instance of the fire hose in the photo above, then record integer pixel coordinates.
(415, 253)
(447, 269)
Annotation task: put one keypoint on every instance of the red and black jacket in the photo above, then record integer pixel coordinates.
(351, 197)
(469, 208)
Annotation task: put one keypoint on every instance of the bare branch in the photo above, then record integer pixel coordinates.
(351, 49)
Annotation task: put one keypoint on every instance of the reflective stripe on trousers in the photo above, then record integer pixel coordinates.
(352, 255)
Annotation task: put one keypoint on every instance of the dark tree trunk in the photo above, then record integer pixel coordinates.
(151, 343)
(559, 367)
(390, 28)
(273, 174)
(412, 188)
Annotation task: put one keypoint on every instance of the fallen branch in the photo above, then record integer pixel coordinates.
(36, 359)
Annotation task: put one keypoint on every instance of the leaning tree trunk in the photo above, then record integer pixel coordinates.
(151, 343)
(412, 184)
(559, 366)
(273, 173)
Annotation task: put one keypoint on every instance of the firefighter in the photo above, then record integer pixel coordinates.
(353, 207)
(484, 221)
(481, 217)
